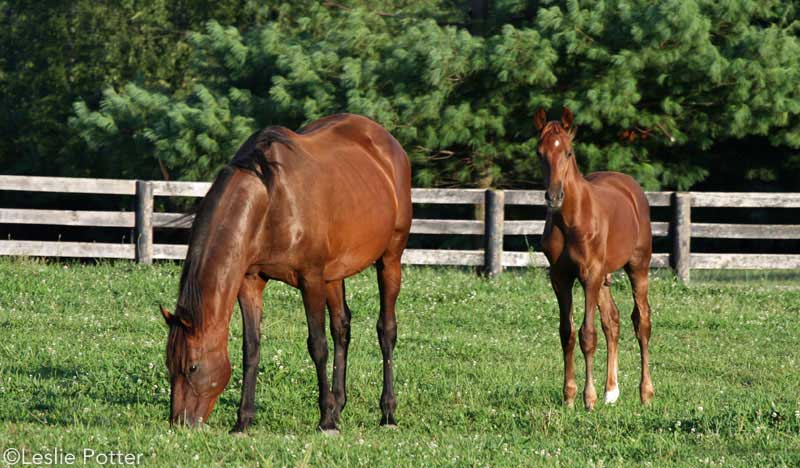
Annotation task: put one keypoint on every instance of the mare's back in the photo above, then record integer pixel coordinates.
(343, 189)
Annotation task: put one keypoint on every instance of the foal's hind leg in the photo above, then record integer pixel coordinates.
(609, 318)
(641, 322)
(389, 278)
(592, 283)
(340, 331)
(562, 285)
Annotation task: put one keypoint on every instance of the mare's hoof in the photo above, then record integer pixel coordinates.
(330, 432)
(389, 422)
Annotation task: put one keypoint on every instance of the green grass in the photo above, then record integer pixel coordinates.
(478, 374)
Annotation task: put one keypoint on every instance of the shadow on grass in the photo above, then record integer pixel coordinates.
(55, 395)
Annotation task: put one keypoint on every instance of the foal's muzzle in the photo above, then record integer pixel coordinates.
(554, 198)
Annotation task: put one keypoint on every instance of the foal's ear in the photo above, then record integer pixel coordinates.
(567, 121)
(566, 118)
(539, 119)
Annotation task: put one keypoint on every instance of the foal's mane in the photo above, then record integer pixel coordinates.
(553, 127)
(254, 156)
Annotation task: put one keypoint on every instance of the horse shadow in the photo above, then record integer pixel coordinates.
(61, 395)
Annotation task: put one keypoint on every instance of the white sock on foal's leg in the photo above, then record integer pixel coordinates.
(613, 394)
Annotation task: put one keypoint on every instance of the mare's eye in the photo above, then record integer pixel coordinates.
(193, 368)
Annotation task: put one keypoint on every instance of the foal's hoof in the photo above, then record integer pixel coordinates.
(611, 396)
(589, 401)
(646, 395)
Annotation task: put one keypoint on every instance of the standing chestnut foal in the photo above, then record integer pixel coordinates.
(595, 226)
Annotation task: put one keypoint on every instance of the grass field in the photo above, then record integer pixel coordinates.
(478, 374)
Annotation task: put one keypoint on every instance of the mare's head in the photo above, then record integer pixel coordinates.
(197, 346)
(556, 154)
(199, 370)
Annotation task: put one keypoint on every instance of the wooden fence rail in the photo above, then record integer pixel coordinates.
(493, 258)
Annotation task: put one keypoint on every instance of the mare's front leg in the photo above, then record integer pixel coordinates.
(592, 281)
(562, 285)
(313, 289)
(340, 331)
(251, 299)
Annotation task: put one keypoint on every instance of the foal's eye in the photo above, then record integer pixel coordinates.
(193, 368)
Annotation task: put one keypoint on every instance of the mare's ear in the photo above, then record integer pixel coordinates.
(566, 118)
(539, 119)
(174, 319)
(169, 318)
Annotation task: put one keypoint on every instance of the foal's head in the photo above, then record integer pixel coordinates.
(555, 153)
(199, 370)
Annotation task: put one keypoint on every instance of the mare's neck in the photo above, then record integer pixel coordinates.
(223, 247)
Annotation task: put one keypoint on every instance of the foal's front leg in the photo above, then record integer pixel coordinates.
(250, 301)
(588, 336)
(314, 301)
(562, 285)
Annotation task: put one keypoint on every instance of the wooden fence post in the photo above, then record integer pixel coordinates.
(681, 232)
(494, 209)
(144, 221)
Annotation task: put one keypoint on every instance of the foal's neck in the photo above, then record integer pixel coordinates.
(577, 205)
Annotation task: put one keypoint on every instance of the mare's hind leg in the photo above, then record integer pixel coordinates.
(340, 331)
(641, 322)
(609, 318)
(562, 285)
(389, 278)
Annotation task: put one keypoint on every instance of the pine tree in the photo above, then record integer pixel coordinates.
(656, 87)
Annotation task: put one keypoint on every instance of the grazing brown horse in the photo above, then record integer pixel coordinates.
(309, 209)
(595, 226)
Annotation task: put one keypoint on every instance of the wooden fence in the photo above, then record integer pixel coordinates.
(493, 228)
